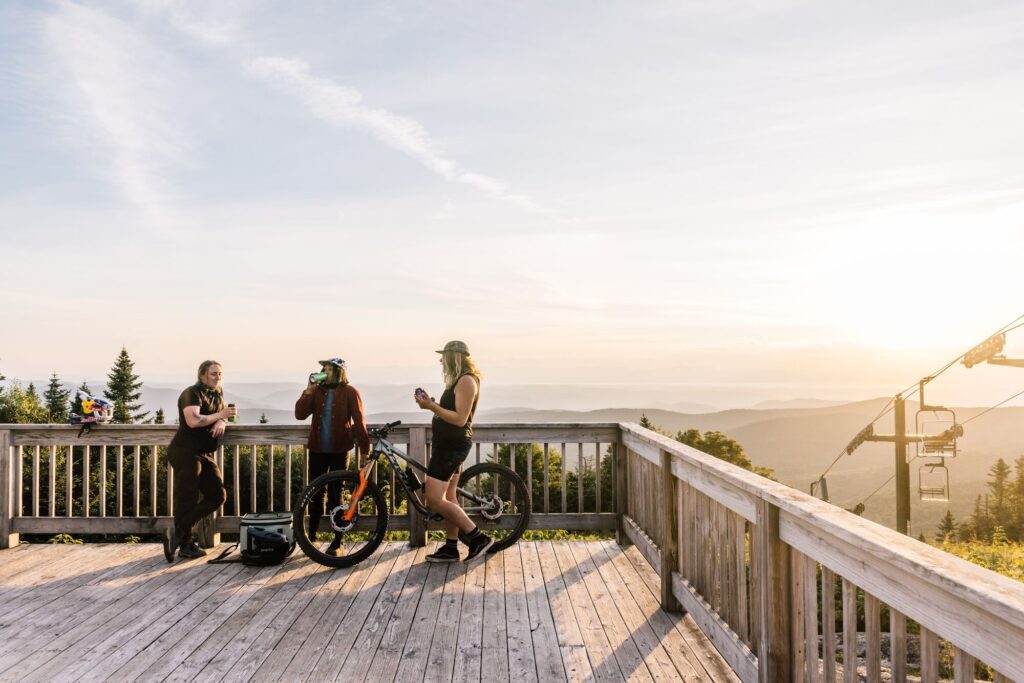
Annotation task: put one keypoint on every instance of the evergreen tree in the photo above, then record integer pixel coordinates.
(947, 528)
(645, 422)
(999, 484)
(56, 398)
(123, 391)
(1016, 528)
(980, 526)
(159, 417)
(263, 419)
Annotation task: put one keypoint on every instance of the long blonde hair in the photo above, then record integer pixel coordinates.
(455, 364)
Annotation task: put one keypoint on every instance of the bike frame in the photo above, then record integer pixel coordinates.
(381, 446)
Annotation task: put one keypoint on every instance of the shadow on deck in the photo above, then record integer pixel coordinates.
(539, 611)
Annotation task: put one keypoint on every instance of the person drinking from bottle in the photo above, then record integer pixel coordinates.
(202, 417)
(338, 422)
(452, 437)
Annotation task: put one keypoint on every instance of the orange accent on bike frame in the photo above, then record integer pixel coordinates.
(354, 503)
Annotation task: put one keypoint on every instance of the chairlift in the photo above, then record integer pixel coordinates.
(933, 481)
(940, 432)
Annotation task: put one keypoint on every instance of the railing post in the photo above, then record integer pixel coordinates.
(621, 491)
(669, 534)
(775, 648)
(417, 522)
(7, 488)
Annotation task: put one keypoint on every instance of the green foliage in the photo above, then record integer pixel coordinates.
(723, 448)
(159, 418)
(1000, 514)
(56, 398)
(131, 539)
(65, 539)
(947, 528)
(21, 406)
(123, 391)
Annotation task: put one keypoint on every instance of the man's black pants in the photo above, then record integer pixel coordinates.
(194, 474)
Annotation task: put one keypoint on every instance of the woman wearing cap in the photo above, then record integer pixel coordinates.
(452, 437)
(202, 417)
(338, 422)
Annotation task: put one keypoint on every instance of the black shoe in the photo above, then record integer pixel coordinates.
(445, 553)
(334, 548)
(171, 543)
(190, 551)
(478, 545)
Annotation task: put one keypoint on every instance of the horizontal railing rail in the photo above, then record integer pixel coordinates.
(128, 488)
(761, 566)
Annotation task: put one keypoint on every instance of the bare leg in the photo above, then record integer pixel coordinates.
(452, 530)
(437, 500)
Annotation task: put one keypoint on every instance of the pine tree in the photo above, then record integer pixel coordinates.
(1016, 527)
(263, 419)
(159, 417)
(645, 422)
(56, 398)
(980, 527)
(999, 484)
(947, 528)
(123, 391)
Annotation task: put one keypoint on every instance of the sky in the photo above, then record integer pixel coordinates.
(823, 198)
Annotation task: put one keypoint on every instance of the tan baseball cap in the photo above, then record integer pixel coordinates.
(457, 346)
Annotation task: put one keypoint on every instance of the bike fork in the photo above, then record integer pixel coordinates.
(364, 475)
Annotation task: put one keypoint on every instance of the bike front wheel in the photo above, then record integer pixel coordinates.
(320, 519)
(497, 500)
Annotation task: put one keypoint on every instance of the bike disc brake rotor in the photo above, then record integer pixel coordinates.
(338, 522)
(492, 507)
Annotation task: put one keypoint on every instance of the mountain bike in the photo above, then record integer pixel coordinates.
(493, 495)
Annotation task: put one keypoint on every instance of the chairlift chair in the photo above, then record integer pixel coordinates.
(939, 426)
(933, 481)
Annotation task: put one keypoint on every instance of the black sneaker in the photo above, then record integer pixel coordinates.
(445, 553)
(334, 548)
(478, 545)
(171, 544)
(190, 551)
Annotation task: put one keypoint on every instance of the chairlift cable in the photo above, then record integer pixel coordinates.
(990, 408)
(887, 408)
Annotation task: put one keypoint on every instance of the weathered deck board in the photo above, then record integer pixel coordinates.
(540, 611)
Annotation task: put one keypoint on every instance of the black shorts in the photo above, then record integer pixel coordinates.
(445, 460)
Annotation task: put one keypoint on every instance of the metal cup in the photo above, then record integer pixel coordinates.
(233, 418)
(318, 377)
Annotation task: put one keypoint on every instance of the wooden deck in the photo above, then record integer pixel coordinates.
(537, 612)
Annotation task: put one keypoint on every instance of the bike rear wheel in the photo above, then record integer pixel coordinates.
(359, 537)
(504, 509)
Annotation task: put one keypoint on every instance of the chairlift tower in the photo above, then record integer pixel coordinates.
(901, 439)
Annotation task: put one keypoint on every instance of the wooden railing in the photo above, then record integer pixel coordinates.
(773, 577)
(129, 488)
(756, 564)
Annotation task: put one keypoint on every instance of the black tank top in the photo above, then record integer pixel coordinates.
(445, 433)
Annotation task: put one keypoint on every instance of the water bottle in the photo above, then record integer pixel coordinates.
(318, 377)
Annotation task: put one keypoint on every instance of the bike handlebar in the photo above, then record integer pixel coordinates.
(384, 429)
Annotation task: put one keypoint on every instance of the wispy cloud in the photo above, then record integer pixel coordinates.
(343, 106)
(116, 83)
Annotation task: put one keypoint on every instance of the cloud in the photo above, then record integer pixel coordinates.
(116, 85)
(343, 106)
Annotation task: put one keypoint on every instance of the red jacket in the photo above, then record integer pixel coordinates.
(346, 419)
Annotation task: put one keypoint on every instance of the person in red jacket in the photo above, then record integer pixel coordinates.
(338, 424)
